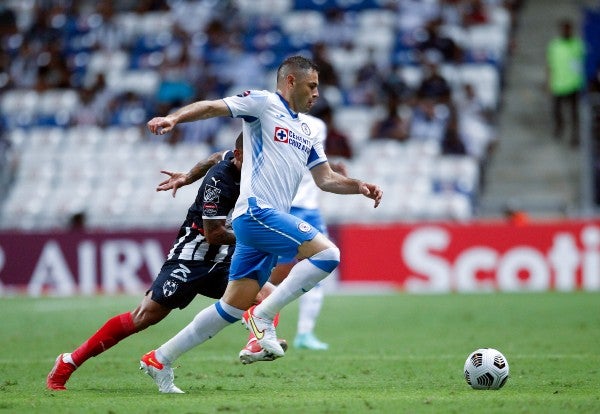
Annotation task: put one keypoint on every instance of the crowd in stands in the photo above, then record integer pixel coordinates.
(400, 71)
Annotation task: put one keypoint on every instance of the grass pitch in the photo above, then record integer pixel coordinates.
(392, 353)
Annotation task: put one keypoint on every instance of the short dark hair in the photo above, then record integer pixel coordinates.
(294, 64)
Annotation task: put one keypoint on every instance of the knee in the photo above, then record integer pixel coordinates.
(326, 260)
(143, 318)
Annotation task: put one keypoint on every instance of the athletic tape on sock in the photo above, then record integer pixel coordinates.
(326, 260)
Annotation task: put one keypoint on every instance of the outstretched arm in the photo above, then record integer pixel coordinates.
(332, 182)
(192, 112)
(179, 179)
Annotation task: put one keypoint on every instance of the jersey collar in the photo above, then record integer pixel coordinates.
(293, 114)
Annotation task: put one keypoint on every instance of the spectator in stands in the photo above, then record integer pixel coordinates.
(435, 46)
(392, 125)
(565, 56)
(24, 68)
(8, 22)
(475, 13)
(594, 90)
(516, 216)
(434, 86)
(145, 6)
(594, 82)
(476, 124)
(327, 73)
(5, 80)
(367, 84)
(103, 95)
(393, 84)
(53, 72)
(43, 30)
(174, 86)
(8, 157)
(451, 143)
(110, 35)
(429, 120)
(89, 112)
(339, 31)
(337, 144)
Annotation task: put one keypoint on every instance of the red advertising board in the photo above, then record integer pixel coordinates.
(81, 262)
(428, 258)
(474, 257)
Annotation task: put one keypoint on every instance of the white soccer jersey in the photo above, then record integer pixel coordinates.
(279, 145)
(307, 195)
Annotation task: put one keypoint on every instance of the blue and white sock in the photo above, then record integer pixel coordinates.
(207, 323)
(302, 278)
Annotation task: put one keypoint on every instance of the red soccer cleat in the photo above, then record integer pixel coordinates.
(162, 374)
(60, 374)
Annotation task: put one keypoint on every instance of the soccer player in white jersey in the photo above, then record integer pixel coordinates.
(280, 141)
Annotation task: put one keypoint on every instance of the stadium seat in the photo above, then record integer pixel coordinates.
(370, 18)
(379, 39)
(489, 40)
(143, 82)
(486, 80)
(264, 7)
(356, 122)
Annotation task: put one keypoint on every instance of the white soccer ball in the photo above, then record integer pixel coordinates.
(486, 369)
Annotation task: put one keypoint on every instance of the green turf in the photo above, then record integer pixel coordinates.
(389, 354)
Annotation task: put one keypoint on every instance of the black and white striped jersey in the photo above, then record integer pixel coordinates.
(216, 198)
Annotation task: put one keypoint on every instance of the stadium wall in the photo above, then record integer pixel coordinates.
(417, 258)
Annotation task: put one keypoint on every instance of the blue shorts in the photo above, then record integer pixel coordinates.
(312, 217)
(263, 234)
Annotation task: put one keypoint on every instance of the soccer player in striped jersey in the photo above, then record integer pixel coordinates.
(198, 263)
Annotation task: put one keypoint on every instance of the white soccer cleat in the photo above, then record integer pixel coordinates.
(264, 331)
(162, 374)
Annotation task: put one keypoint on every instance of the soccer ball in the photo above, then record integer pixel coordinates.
(486, 369)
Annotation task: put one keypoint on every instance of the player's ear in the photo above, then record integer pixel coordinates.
(238, 154)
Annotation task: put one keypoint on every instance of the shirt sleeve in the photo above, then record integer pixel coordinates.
(247, 104)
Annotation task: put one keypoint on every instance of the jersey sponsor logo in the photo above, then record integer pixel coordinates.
(287, 136)
(169, 287)
(209, 209)
(304, 227)
(243, 94)
(305, 128)
(211, 194)
(281, 134)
